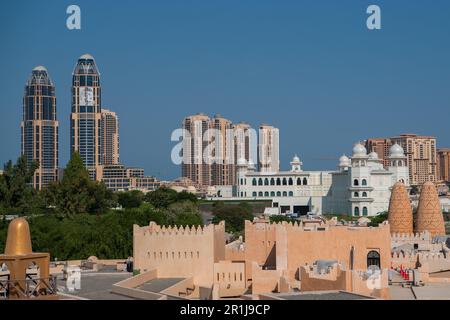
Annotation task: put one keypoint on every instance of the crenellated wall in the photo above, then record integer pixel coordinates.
(179, 251)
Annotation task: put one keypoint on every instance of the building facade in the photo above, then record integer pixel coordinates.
(39, 127)
(110, 137)
(361, 186)
(443, 164)
(86, 116)
(269, 149)
(119, 178)
(381, 146)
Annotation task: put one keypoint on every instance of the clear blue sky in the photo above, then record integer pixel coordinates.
(311, 68)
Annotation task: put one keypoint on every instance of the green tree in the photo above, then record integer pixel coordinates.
(130, 199)
(375, 221)
(184, 213)
(234, 216)
(16, 192)
(162, 197)
(76, 192)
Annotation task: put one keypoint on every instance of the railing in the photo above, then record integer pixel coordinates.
(29, 288)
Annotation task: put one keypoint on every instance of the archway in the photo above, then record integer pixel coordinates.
(373, 259)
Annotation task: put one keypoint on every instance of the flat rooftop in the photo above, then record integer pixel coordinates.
(96, 286)
(158, 285)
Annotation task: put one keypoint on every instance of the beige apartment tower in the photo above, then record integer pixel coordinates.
(110, 137)
(223, 168)
(269, 150)
(420, 151)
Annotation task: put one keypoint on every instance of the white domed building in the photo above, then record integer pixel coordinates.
(361, 186)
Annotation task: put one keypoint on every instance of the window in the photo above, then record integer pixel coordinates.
(260, 194)
(373, 259)
(356, 182)
(284, 194)
(356, 211)
(254, 181)
(272, 194)
(305, 182)
(266, 182)
(272, 182)
(284, 182)
(299, 181)
(291, 182)
(364, 194)
(260, 182)
(278, 182)
(266, 194)
(291, 194)
(254, 194)
(278, 194)
(356, 195)
(365, 211)
(364, 182)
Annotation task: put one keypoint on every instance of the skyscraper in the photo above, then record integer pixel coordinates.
(110, 137)
(421, 157)
(381, 146)
(443, 164)
(269, 149)
(39, 127)
(223, 168)
(194, 143)
(85, 125)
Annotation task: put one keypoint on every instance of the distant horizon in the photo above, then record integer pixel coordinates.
(312, 70)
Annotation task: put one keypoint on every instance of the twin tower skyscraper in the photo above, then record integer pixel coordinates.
(93, 130)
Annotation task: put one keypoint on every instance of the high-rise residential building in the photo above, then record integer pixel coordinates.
(223, 168)
(269, 150)
(86, 116)
(420, 152)
(244, 140)
(110, 137)
(195, 129)
(421, 157)
(443, 164)
(39, 127)
(381, 146)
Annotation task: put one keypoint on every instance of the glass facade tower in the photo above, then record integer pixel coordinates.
(85, 119)
(39, 127)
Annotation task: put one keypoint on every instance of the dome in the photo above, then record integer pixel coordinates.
(396, 151)
(373, 156)
(40, 68)
(296, 159)
(86, 56)
(359, 150)
(344, 161)
(241, 162)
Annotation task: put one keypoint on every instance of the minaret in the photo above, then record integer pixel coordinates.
(241, 170)
(40, 128)
(86, 114)
(400, 211)
(296, 164)
(398, 165)
(429, 213)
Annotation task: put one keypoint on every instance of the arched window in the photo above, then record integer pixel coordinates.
(364, 182)
(260, 194)
(299, 181)
(278, 182)
(284, 182)
(284, 194)
(278, 194)
(356, 195)
(291, 182)
(373, 259)
(260, 182)
(305, 182)
(365, 211)
(356, 211)
(242, 181)
(272, 182)
(254, 181)
(254, 194)
(266, 194)
(266, 182)
(272, 194)
(364, 194)
(291, 194)
(356, 182)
